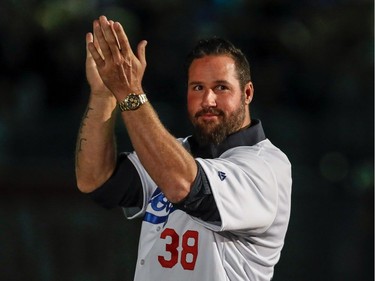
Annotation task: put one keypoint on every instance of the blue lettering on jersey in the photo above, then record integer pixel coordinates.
(161, 208)
(222, 175)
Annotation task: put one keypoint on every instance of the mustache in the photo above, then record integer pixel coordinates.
(210, 110)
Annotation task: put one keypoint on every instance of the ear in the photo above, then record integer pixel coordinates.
(249, 92)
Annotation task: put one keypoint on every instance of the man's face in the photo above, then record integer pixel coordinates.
(217, 106)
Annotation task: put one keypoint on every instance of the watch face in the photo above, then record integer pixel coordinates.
(133, 102)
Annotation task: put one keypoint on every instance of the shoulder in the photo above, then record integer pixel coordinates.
(262, 158)
(263, 149)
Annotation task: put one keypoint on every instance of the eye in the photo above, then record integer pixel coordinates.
(197, 88)
(221, 87)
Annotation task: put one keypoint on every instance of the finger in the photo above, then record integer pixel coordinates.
(110, 37)
(122, 39)
(95, 54)
(141, 52)
(95, 38)
(116, 52)
(111, 22)
(101, 40)
(96, 44)
(89, 39)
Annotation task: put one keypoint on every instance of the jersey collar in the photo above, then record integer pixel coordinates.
(244, 137)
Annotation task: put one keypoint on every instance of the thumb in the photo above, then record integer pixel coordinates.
(141, 51)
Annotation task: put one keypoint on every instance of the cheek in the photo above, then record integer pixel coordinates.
(193, 104)
(228, 106)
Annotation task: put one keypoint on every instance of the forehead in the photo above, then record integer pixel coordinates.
(222, 66)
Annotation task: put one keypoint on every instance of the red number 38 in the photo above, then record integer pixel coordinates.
(189, 253)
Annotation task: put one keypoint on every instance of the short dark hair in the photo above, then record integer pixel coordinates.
(217, 46)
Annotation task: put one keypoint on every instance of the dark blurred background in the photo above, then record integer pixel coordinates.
(312, 67)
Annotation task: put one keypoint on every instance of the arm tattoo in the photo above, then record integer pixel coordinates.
(85, 116)
(81, 140)
(79, 145)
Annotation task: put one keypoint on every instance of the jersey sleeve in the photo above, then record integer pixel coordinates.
(148, 186)
(200, 202)
(245, 189)
(119, 192)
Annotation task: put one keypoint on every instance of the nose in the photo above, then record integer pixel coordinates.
(208, 99)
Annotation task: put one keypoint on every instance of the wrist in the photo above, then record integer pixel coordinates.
(124, 93)
(102, 93)
(103, 105)
(132, 101)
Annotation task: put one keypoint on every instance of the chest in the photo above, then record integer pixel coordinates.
(173, 241)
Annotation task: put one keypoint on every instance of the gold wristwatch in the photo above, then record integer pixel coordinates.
(132, 102)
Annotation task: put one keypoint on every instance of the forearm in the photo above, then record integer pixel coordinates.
(168, 163)
(95, 148)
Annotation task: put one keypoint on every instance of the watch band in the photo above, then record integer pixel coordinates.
(132, 102)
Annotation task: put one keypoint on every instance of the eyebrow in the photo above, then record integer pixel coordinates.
(216, 82)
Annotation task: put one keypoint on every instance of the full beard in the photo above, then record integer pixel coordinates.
(207, 132)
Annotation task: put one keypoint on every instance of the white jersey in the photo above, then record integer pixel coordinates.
(251, 186)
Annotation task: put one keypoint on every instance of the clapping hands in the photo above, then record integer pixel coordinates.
(111, 65)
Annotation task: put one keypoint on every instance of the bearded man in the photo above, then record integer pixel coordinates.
(215, 205)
